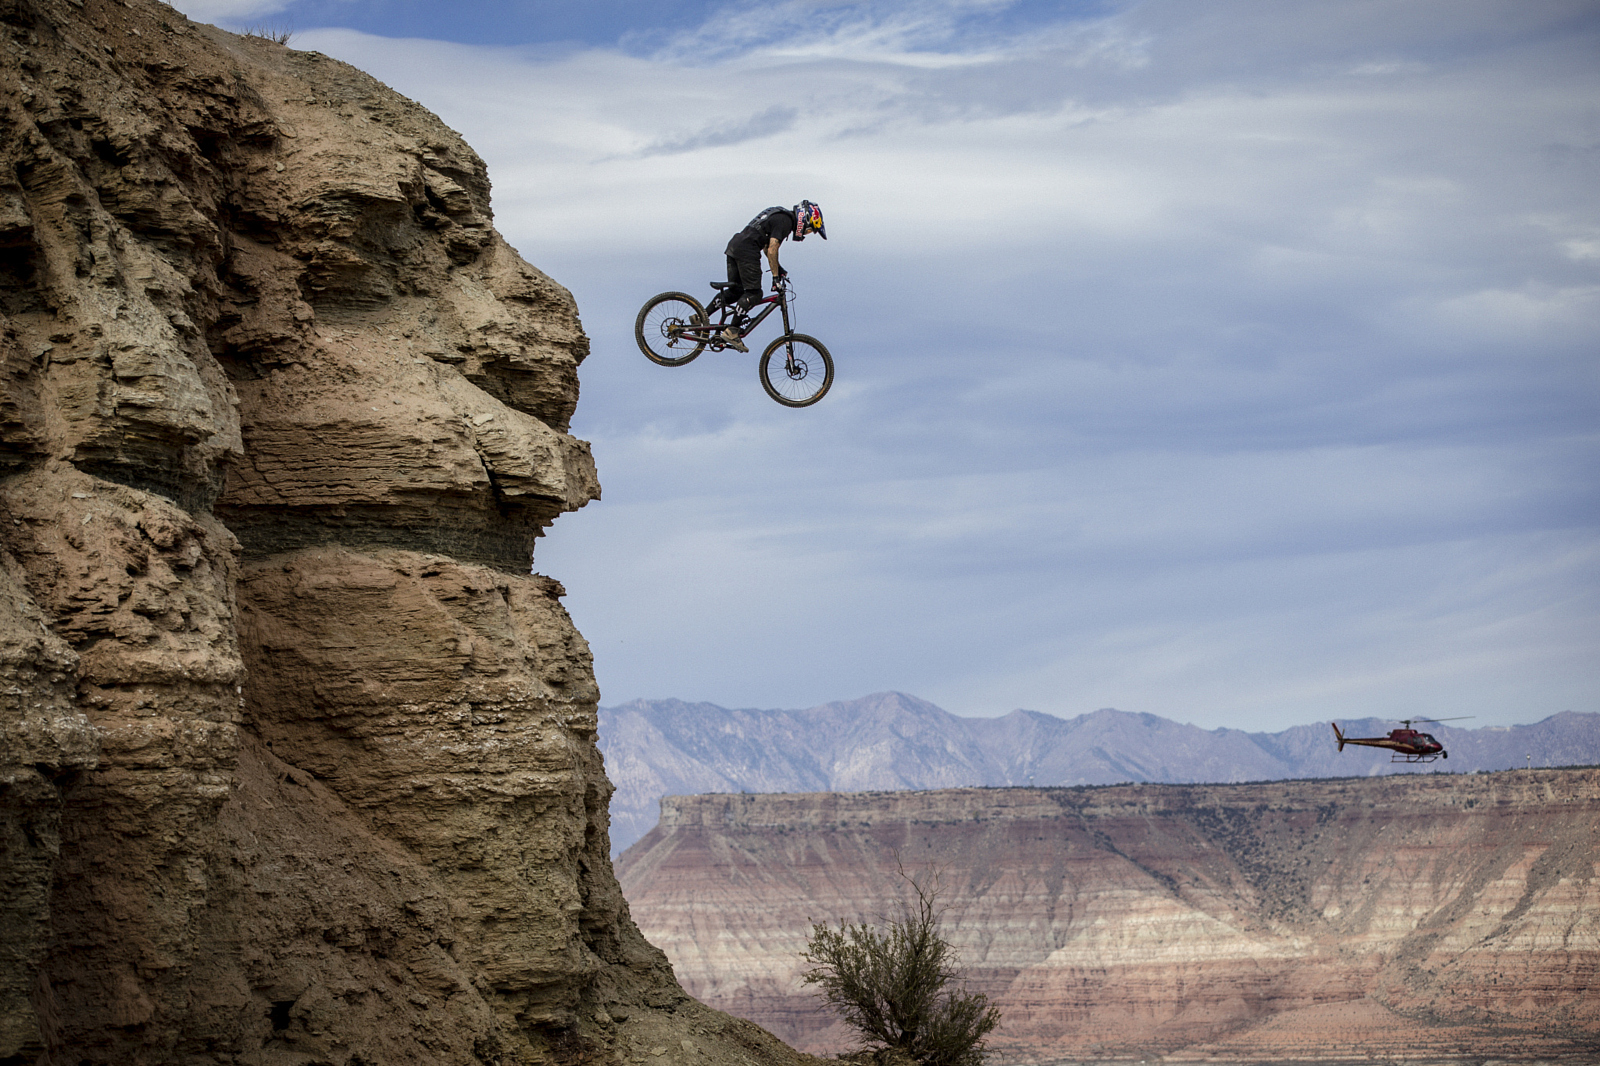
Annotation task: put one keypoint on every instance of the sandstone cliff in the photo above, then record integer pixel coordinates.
(297, 758)
(1443, 917)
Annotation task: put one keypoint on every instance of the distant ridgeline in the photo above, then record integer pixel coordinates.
(891, 741)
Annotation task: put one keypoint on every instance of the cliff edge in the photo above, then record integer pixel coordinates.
(297, 758)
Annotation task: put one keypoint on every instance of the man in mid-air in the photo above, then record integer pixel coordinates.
(765, 233)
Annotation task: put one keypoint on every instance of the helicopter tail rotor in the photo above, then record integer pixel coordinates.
(1338, 735)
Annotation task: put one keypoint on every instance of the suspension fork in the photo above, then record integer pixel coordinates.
(788, 330)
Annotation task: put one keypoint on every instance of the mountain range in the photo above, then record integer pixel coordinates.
(891, 741)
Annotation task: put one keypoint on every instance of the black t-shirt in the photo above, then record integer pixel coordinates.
(775, 223)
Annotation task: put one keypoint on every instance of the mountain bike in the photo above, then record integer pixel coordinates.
(673, 328)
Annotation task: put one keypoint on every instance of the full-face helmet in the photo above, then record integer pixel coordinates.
(808, 219)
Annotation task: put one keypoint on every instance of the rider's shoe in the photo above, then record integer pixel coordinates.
(731, 339)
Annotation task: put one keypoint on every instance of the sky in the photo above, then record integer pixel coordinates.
(1234, 362)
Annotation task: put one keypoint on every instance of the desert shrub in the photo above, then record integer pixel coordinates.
(275, 34)
(892, 985)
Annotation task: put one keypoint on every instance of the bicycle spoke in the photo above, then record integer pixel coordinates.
(671, 329)
(796, 370)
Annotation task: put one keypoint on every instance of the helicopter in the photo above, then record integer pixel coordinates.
(1405, 744)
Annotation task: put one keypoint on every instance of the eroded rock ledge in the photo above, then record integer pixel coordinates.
(297, 758)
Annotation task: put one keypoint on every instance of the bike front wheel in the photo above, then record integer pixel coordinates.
(671, 328)
(796, 370)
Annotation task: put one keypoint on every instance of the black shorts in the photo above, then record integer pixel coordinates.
(744, 280)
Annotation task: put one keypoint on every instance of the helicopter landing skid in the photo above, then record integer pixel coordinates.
(1400, 757)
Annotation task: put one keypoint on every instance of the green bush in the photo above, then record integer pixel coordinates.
(891, 986)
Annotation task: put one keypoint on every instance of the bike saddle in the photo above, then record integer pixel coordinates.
(720, 284)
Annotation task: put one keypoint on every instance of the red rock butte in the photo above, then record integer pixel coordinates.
(1433, 918)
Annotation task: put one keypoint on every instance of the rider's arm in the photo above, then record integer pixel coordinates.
(772, 257)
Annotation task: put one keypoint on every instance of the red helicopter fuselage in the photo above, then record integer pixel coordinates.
(1412, 745)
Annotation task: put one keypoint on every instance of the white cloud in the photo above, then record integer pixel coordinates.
(916, 34)
(1528, 311)
(1581, 248)
(1367, 70)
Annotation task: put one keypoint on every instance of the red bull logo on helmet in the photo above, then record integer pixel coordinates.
(808, 219)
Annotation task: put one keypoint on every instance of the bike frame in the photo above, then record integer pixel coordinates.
(712, 332)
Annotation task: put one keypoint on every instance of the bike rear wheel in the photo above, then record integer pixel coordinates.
(660, 328)
(796, 370)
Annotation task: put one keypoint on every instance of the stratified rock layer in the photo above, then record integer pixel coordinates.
(297, 758)
(1431, 917)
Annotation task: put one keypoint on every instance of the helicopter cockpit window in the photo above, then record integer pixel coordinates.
(1429, 738)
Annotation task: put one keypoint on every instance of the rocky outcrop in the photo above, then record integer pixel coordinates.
(1435, 917)
(297, 757)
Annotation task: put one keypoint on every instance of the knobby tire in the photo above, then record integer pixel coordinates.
(812, 375)
(653, 329)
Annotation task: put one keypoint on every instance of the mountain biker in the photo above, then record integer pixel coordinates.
(765, 233)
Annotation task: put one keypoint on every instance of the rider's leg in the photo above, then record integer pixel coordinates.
(744, 278)
(747, 272)
(727, 297)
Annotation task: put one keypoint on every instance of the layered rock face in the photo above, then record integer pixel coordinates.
(1438, 917)
(297, 758)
